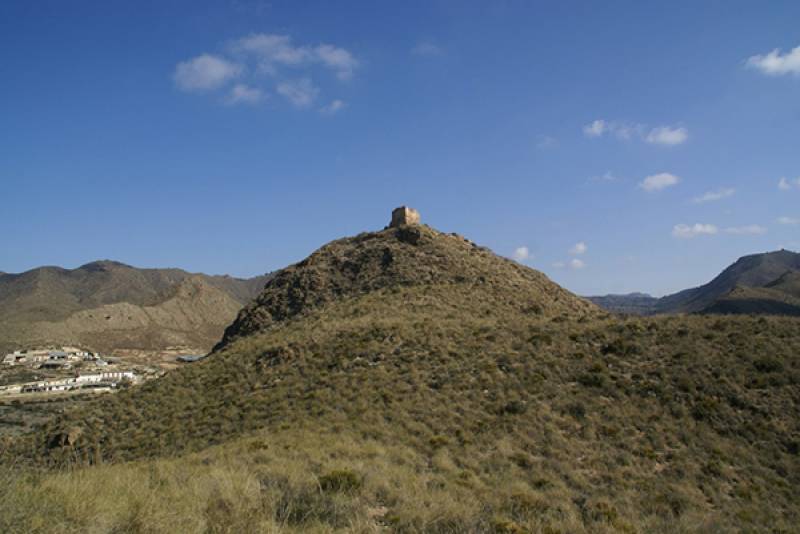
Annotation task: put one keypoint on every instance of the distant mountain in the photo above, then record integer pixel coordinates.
(632, 303)
(106, 305)
(767, 283)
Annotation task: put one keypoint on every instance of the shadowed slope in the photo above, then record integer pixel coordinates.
(756, 270)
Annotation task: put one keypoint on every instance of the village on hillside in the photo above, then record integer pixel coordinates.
(65, 369)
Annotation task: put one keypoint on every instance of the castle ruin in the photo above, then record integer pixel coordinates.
(404, 215)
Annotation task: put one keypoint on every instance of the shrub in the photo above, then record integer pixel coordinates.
(768, 364)
(343, 481)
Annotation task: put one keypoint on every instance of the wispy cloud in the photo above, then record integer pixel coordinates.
(273, 51)
(750, 229)
(243, 94)
(660, 181)
(521, 254)
(660, 135)
(427, 49)
(578, 249)
(333, 108)
(785, 184)
(574, 264)
(776, 63)
(712, 196)
(788, 220)
(205, 72)
(685, 231)
(338, 59)
(301, 93)
(254, 60)
(595, 128)
(607, 176)
(664, 135)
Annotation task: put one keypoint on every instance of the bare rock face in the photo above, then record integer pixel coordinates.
(404, 216)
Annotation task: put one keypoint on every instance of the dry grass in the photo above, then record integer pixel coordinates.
(277, 484)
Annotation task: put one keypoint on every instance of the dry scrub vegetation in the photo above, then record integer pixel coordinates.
(448, 405)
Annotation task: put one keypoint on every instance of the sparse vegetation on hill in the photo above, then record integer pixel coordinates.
(410, 381)
(398, 258)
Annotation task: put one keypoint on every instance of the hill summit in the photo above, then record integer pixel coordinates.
(456, 270)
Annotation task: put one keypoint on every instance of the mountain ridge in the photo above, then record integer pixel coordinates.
(54, 305)
(751, 271)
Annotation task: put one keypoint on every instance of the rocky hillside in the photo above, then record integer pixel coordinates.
(412, 381)
(106, 305)
(405, 257)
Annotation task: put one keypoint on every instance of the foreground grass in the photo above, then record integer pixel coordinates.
(313, 481)
(683, 424)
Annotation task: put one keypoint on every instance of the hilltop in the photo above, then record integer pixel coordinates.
(108, 305)
(411, 379)
(763, 283)
(462, 275)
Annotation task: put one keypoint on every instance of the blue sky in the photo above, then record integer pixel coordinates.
(616, 146)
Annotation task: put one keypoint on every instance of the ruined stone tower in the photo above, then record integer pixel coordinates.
(404, 215)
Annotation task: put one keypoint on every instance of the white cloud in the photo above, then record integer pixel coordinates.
(661, 135)
(595, 129)
(575, 263)
(205, 72)
(300, 93)
(664, 135)
(775, 63)
(684, 231)
(788, 220)
(273, 50)
(337, 59)
(711, 196)
(521, 254)
(751, 229)
(334, 107)
(427, 49)
(248, 59)
(578, 249)
(244, 94)
(657, 182)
